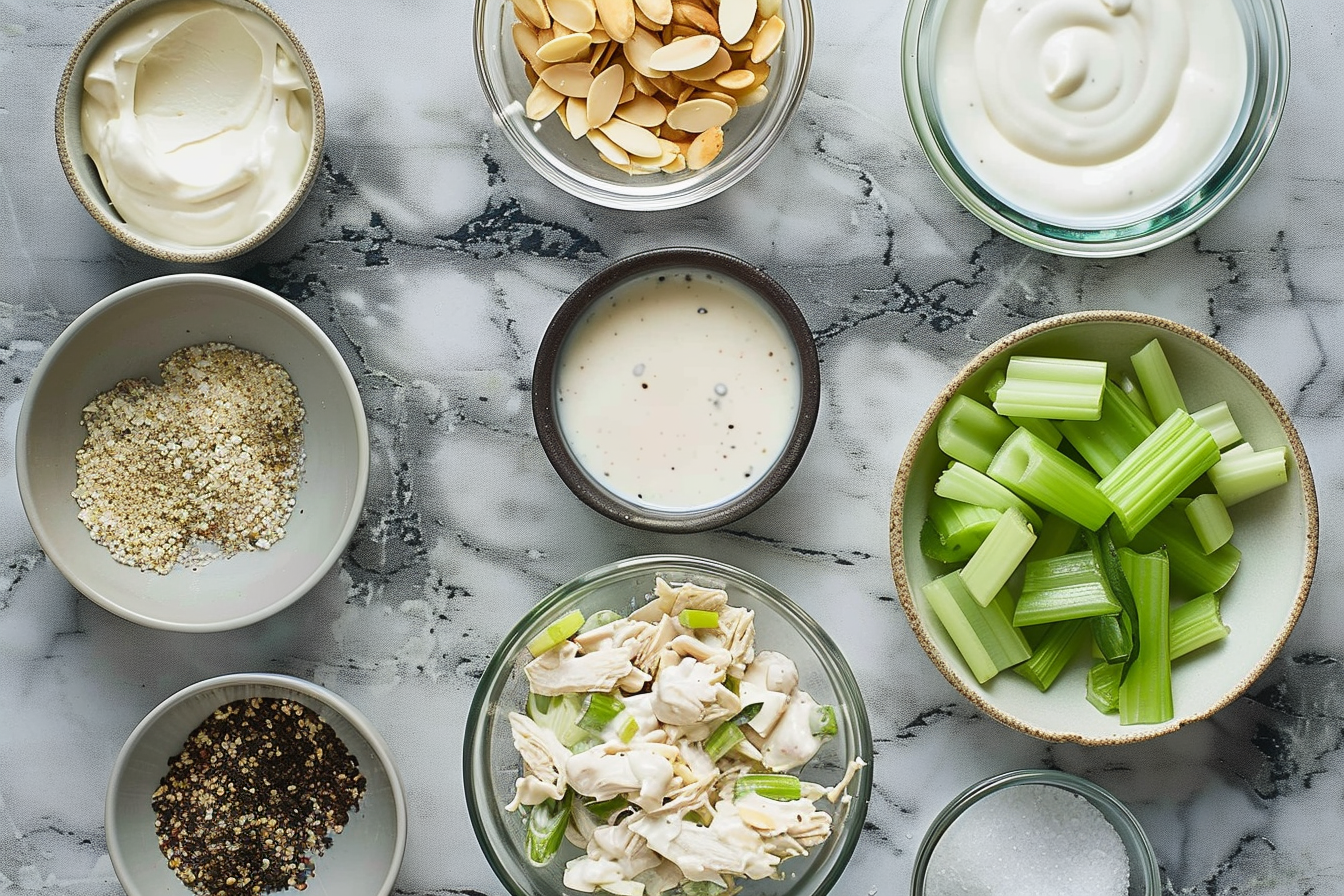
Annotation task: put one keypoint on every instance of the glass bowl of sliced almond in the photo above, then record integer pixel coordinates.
(643, 104)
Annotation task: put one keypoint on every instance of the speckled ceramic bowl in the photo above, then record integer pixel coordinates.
(1276, 533)
(363, 859)
(126, 335)
(83, 174)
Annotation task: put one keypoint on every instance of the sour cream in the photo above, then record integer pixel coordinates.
(678, 390)
(1090, 112)
(198, 119)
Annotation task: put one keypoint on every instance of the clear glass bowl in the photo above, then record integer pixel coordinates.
(491, 764)
(1266, 33)
(574, 165)
(1145, 878)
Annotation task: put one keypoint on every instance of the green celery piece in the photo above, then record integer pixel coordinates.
(773, 787)
(960, 482)
(556, 633)
(724, 738)
(1158, 382)
(954, 529)
(1239, 475)
(1195, 623)
(1071, 586)
(599, 711)
(1040, 427)
(1061, 643)
(1103, 548)
(970, 432)
(1191, 568)
(1135, 395)
(1045, 477)
(984, 636)
(599, 619)
(1177, 453)
(993, 563)
(1145, 693)
(1208, 517)
(604, 809)
(1106, 441)
(1112, 639)
(546, 824)
(1103, 687)
(1218, 420)
(1051, 388)
(1056, 535)
(690, 618)
(822, 721)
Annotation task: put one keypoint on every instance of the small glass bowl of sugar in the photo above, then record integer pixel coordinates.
(1036, 833)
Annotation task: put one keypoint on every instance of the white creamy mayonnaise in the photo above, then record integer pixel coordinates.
(199, 120)
(679, 390)
(1089, 112)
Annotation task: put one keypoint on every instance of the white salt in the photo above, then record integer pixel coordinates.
(1029, 840)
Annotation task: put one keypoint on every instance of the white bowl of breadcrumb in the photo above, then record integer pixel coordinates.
(192, 453)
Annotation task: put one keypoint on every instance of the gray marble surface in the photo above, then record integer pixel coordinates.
(434, 258)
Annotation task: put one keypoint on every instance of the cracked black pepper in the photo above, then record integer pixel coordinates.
(210, 458)
(259, 788)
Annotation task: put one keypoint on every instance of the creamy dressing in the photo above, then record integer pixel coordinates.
(199, 121)
(679, 390)
(1089, 112)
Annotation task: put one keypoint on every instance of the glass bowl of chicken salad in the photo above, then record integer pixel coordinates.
(667, 725)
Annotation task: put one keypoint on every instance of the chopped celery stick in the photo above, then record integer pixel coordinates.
(1051, 388)
(627, 726)
(953, 529)
(1061, 643)
(984, 636)
(1103, 687)
(546, 823)
(599, 711)
(1056, 535)
(724, 738)
(1071, 586)
(1145, 693)
(1208, 517)
(599, 619)
(1191, 568)
(993, 563)
(1102, 546)
(822, 721)
(772, 787)
(556, 633)
(701, 888)
(1111, 639)
(1244, 474)
(1217, 419)
(1135, 394)
(698, 618)
(1106, 441)
(604, 809)
(960, 482)
(1048, 479)
(1177, 453)
(560, 714)
(1159, 385)
(1041, 428)
(970, 432)
(1196, 623)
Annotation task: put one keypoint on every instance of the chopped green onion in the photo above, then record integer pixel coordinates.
(1195, 623)
(953, 530)
(984, 636)
(822, 721)
(1051, 388)
(599, 711)
(604, 809)
(1217, 419)
(599, 619)
(993, 563)
(724, 738)
(556, 633)
(1177, 453)
(698, 618)
(1208, 517)
(546, 824)
(1071, 586)
(1106, 441)
(960, 482)
(773, 787)
(1244, 474)
(1145, 694)
(970, 432)
(1103, 687)
(1048, 479)
(1060, 644)
(1191, 568)
(1158, 382)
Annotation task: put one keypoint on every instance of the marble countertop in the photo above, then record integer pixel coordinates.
(434, 257)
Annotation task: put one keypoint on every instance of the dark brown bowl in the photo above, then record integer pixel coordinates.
(594, 493)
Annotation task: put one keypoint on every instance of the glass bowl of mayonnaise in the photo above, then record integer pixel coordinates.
(191, 130)
(1095, 127)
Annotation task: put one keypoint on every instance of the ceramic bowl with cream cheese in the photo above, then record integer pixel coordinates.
(1095, 127)
(191, 130)
(676, 390)
(738, 97)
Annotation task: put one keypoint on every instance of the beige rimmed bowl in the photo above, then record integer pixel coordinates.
(126, 335)
(1276, 533)
(83, 175)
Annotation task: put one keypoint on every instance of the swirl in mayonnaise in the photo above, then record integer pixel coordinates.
(1089, 112)
(199, 121)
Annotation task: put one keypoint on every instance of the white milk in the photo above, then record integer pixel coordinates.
(678, 390)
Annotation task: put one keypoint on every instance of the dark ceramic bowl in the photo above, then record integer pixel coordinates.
(575, 310)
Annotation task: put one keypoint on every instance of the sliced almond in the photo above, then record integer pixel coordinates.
(736, 18)
(642, 110)
(604, 95)
(542, 101)
(678, 163)
(752, 97)
(569, 78)
(608, 148)
(742, 46)
(617, 18)
(526, 41)
(642, 84)
(719, 63)
(683, 55)
(576, 116)
(705, 148)
(755, 818)
(737, 79)
(599, 34)
(560, 29)
(645, 22)
(576, 15)
(667, 132)
(632, 138)
(695, 115)
(768, 8)
(697, 17)
(533, 11)
(639, 49)
(563, 49)
(659, 11)
(767, 39)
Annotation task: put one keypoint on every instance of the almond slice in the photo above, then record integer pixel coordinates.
(736, 18)
(569, 78)
(632, 138)
(768, 8)
(677, 164)
(704, 148)
(639, 49)
(533, 11)
(767, 39)
(608, 149)
(695, 115)
(576, 15)
(683, 55)
(542, 101)
(527, 43)
(697, 17)
(659, 11)
(576, 116)
(618, 18)
(644, 111)
(717, 65)
(737, 79)
(604, 95)
(563, 49)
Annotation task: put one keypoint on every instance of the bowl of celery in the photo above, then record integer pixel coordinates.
(1104, 528)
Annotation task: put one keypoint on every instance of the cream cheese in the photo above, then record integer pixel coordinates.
(1089, 112)
(199, 121)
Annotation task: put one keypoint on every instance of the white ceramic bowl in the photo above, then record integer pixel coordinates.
(126, 335)
(1276, 533)
(363, 859)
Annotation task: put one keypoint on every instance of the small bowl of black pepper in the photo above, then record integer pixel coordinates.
(253, 784)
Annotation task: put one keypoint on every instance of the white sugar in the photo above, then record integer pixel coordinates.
(1029, 840)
